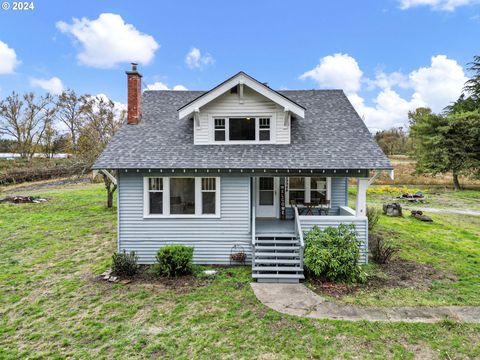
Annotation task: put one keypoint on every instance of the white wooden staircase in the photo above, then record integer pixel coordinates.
(278, 256)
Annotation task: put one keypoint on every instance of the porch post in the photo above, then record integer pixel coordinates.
(361, 204)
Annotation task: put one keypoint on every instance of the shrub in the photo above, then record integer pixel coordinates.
(382, 251)
(125, 264)
(334, 253)
(174, 260)
(373, 214)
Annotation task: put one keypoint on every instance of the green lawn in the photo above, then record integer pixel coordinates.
(51, 306)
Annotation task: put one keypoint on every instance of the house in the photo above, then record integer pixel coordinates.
(240, 167)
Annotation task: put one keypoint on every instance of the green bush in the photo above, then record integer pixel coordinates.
(373, 214)
(174, 260)
(125, 264)
(333, 254)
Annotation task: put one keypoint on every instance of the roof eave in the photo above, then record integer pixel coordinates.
(245, 79)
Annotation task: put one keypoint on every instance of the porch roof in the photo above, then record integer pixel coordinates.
(331, 137)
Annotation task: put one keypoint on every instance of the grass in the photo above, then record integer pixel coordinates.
(51, 306)
(451, 244)
(404, 174)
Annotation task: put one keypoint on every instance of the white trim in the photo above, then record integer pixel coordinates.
(276, 198)
(253, 84)
(166, 199)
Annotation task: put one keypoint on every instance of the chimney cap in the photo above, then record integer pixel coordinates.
(134, 70)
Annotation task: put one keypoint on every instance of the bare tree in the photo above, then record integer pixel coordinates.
(49, 141)
(25, 119)
(70, 113)
(102, 122)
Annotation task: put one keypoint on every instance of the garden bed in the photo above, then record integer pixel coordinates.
(398, 273)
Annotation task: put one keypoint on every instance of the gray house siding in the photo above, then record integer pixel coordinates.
(213, 238)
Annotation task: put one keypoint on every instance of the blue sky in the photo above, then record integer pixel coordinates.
(388, 56)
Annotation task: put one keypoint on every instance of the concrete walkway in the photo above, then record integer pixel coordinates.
(296, 299)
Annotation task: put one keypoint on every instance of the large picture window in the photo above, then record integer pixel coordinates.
(240, 129)
(181, 196)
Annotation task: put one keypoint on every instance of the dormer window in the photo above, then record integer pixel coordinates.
(219, 130)
(264, 129)
(242, 129)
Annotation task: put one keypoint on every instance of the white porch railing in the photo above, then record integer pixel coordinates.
(253, 226)
(299, 232)
(346, 216)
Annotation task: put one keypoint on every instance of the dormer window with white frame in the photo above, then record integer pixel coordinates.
(242, 129)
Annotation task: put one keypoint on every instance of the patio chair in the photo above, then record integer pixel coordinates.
(324, 207)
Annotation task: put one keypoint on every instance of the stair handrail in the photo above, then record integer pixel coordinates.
(298, 230)
(298, 227)
(253, 225)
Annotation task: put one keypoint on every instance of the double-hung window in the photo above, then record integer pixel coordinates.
(242, 129)
(296, 189)
(264, 129)
(155, 195)
(219, 130)
(181, 196)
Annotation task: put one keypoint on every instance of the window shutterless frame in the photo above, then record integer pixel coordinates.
(220, 126)
(166, 198)
(308, 189)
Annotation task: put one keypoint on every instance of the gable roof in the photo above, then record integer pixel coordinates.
(331, 136)
(245, 79)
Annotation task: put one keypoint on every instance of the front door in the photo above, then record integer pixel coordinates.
(266, 196)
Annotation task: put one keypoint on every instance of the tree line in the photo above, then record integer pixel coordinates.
(448, 142)
(80, 125)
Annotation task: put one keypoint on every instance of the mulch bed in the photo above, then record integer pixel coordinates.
(398, 273)
(147, 279)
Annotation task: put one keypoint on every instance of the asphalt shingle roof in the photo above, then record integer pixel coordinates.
(331, 136)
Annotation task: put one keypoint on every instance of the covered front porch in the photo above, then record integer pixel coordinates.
(284, 208)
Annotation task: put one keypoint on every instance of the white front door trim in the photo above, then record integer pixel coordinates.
(267, 211)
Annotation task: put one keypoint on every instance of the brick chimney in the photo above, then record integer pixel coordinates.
(134, 113)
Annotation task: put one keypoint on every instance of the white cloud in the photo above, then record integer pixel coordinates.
(8, 59)
(118, 106)
(336, 71)
(389, 109)
(162, 86)
(53, 85)
(440, 83)
(385, 81)
(108, 41)
(195, 59)
(434, 86)
(444, 5)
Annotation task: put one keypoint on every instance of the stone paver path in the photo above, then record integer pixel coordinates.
(296, 299)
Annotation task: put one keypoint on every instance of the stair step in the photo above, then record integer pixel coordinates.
(271, 248)
(277, 268)
(273, 254)
(275, 234)
(276, 261)
(278, 276)
(286, 242)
